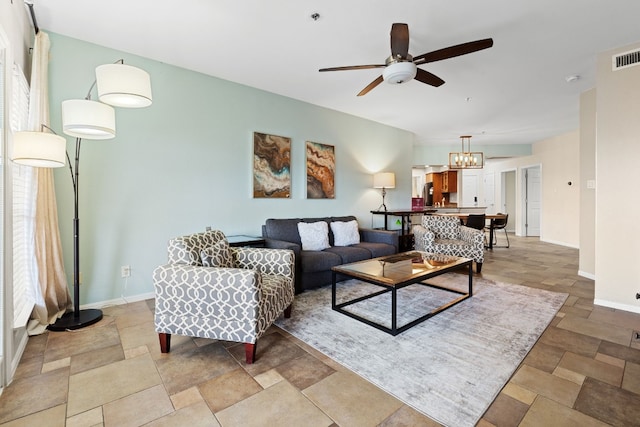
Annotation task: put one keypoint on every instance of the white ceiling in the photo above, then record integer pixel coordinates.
(513, 93)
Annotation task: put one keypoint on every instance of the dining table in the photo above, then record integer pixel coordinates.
(488, 217)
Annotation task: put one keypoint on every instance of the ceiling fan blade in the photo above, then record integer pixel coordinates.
(371, 85)
(453, 51)
(428, 78)
(399, 40)
(352, 67)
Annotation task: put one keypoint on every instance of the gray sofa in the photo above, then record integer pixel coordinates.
(313, 268)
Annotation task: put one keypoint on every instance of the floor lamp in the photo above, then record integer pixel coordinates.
(117, 85)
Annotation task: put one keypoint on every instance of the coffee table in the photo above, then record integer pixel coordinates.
(395, 272)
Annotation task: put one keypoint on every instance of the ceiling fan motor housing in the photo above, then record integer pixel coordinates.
(399, 72)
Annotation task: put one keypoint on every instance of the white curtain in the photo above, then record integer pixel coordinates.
(52, 292)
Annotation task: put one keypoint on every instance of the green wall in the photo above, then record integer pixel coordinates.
(185, 163)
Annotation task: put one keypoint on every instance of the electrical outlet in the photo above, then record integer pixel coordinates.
(125, 271)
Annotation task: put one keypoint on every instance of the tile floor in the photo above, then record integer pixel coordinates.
(584, 370)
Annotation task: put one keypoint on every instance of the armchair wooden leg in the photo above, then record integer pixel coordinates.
(478, 267)
(165, 342)
(250, 352)
(287, 311)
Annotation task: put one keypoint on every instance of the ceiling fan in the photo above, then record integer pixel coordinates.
(401, 67)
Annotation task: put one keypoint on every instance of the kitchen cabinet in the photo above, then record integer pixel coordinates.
(436, 180)
(449, 181)
(440, 185)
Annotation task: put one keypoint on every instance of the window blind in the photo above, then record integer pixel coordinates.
(25, 268)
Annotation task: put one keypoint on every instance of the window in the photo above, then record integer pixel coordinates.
(25, 269)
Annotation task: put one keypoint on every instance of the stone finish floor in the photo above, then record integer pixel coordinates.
(583, 371)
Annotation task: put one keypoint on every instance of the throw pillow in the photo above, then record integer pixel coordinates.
(345, 233)
(218, 255)
(314, 235)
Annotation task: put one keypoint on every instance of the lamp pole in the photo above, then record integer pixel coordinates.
(78, 318)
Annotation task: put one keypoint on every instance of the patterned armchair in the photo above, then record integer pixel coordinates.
(445, 235)
(210, 290)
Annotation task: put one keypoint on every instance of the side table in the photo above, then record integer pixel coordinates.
(242, 240)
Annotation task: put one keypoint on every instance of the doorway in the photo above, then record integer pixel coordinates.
(508, 196)
(531, 191)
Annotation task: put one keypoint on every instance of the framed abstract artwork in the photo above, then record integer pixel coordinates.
(321, 170)
(271, 166)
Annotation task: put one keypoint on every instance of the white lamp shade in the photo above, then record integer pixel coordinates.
(83, 118)
(384, 180)
(122, 85)
(39, 149)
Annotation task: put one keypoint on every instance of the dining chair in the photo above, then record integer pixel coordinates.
(476, 221)
(500, 224)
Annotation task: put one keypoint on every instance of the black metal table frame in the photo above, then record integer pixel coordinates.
(395, 330)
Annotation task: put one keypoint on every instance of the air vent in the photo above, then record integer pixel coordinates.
(626, 60)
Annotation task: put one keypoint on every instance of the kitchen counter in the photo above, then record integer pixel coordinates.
(404, 214)
(458, 209)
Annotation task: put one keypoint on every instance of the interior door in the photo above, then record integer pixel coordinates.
(508, 204)
(489, 192)
(532, 177)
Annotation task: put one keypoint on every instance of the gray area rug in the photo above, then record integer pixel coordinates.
(450, 367)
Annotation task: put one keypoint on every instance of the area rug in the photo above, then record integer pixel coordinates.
(450, 367)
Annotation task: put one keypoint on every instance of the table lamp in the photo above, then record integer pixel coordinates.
(384, 180)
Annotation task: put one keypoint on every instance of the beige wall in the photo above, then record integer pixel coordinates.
(587, 262)
(618, 177)
(558, 158)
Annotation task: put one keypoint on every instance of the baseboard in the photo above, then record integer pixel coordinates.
(120, 301)
(554, 242)
(617, 306)
(587, 275)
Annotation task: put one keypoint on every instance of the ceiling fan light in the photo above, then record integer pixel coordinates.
(399, 72)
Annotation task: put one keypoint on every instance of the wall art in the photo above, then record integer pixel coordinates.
(321, 170)
(271, 166)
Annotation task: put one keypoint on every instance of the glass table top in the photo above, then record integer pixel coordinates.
(401, 267)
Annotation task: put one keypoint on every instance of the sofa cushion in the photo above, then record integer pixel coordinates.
(349, 253)
(345, 233)
(343, 218)
(283, 229)
(217, 255)
(314, 261)
(377, 249)
(314, 235)
(457, 248)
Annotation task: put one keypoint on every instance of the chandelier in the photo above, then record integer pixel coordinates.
(465, 158)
